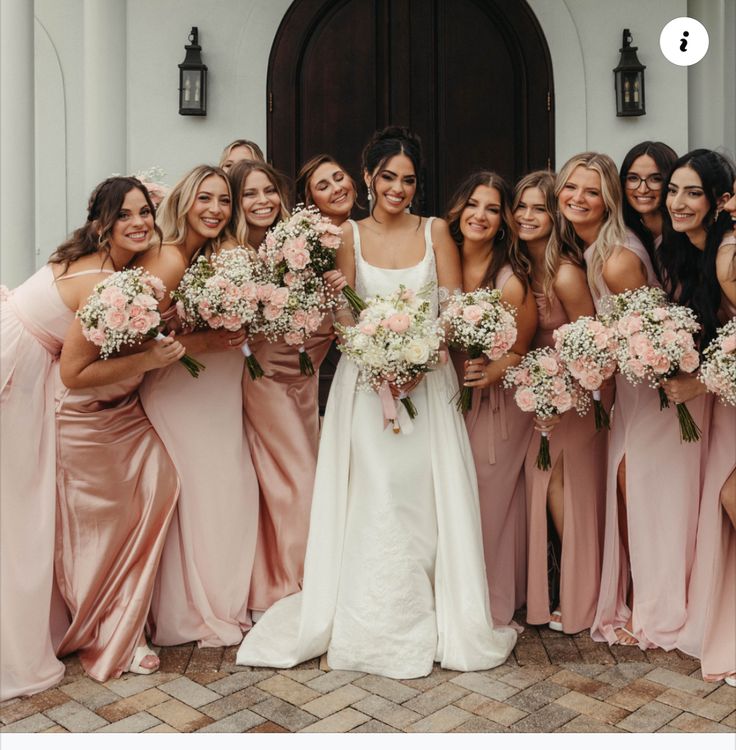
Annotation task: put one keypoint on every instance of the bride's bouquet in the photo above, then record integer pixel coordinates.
(123, 311)
(479, 323)
(655, 341)
(394, 340)
(226, 291)
(588, 350)
(295, 254)
(546, 387)
(718, 370)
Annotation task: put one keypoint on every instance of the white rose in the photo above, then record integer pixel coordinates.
(416, 352)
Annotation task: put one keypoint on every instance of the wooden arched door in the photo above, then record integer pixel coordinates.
(473, 78)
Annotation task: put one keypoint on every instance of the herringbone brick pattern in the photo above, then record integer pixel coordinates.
(552, 683)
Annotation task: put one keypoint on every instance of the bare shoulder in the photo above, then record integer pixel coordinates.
(440, 229)
(623, 270)
(726, 258)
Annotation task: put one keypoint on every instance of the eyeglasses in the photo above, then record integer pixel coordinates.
(653, 182)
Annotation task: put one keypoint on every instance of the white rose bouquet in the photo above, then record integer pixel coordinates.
(479, 323)
(718, 370)
(545, 386)
(394, 340)
(655, 341)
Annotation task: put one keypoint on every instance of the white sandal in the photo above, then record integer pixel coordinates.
(139, 655)
(553, 625)
(731, 680)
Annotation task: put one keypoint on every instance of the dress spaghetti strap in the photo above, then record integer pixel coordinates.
(66, 276)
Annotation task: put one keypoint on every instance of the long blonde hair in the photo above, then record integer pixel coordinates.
(172, 213)
(255, 149)
(555, 251)
(237, 176)
(613, 231)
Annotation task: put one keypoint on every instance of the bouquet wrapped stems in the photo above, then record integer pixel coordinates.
(689, 430)
(465, 399)
(306, 366)
(544, 461)
(411, 410)
(356, 302)
(254, 368)
(599, 411)
(194, 366)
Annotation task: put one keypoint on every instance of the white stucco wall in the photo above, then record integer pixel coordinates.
(236, 36)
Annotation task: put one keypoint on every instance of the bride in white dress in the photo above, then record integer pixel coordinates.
(394, 575)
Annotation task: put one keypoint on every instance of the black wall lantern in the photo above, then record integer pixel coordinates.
(193, 79)
(629, 81)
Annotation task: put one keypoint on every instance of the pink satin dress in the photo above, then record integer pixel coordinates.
(33, 323)
(282, 428)
(584, 476)
(499, 435)
(117, 490)
(710, 630)
(663, 485)
(202, 588)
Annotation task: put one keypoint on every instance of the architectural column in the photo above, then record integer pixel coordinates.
(105, 86)
(17, 181)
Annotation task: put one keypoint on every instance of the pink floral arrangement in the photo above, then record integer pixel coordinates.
(394, 340)
(588, 350)
(295, 254)
(655, 342)
(718, 370)
(479, 323)
(123, 311)
(227, 291)
(546, 387)
(153, 180)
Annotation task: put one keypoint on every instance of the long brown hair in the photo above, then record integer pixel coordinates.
(506, 247)
(555, 251)
(103, 210)
(303, 193)
(237, 176)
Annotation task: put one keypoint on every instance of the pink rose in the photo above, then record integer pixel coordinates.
(249, 291)
(116, 319)
(299, 318)
(525, 399)
(562, 402)
(591, 381)
(473, 314)
(689, 361)
(314, 319)
(231, 322)
(152, 318)
(135, 310)
(215, 321)
(496, 352)
(180, 309)
(522, 377)
(139, 324)
(407, 295)
(398, 322)
(636, 367)
(608, 370)
(96, 336)
(289, 278)
(158, 287)
(663, 365)
(601, 340)
(659, 313)
(728, 344)
(330, 240)
(280, 296)
(549, 364)
(558, 386)
(265, 291)
(668, 337)
(271, 312)
(577, 368)
(108, 294)
(293, 339)
(144, 300)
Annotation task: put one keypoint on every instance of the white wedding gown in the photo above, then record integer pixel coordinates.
(394, 575)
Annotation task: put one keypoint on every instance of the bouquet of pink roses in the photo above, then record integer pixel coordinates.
(545, 386)
(295, 253)
(123, 310)
(479, 323)
(226, 291)
(394, 340)
(588, 350)
(718, 369)
(655, 341)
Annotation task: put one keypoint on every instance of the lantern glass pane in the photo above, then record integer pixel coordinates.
(191, 89)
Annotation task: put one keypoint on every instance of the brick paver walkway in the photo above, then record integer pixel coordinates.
(552, 683)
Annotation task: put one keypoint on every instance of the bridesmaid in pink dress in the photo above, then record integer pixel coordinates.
(281, 411)
(574, 489)
(116, 485)
(481, 223)
(203, 584)
(643, 439)
(700, 248)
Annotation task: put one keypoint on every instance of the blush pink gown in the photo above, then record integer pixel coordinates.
(584, 477)
(117, 490)
(33, 323)
(282, 428)
(663, 484)
(201, 592)
(710, 630)
(499, 435)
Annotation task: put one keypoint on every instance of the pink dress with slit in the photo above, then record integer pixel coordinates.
(202, 588)
(116, 493)
(282, 428)
(584, 477)
(33, 323)
(499, 437)
(663, 484)
(710, 630)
